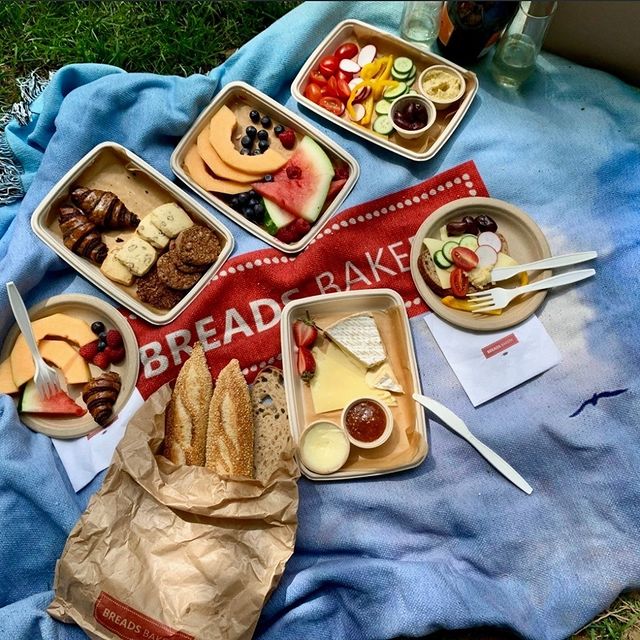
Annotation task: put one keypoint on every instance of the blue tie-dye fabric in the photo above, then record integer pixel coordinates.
(450, 544)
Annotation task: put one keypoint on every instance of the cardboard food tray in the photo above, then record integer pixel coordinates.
(111, 167)
(447, 120)
(241, 93)
(408, 445)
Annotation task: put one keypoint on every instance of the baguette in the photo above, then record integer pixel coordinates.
(229, 448)
(187, 413)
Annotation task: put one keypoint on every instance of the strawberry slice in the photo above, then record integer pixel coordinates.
(304, 333)
(306, 364)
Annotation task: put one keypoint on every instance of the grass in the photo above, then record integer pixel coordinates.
(181, 38)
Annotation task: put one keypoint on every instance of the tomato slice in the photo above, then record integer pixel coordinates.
(464, 258)
(343, 89)
(330, 103)
(331, 88)
(347, 50)
(313, 92)
(317, 77)
(329, 65)
(459, 282)
(344, 75)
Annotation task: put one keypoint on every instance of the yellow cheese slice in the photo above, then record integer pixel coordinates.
(339, 379)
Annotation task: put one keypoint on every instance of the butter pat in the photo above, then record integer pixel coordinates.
(324, 447)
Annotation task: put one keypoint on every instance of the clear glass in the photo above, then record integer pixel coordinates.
(515, 57)
(420, 22)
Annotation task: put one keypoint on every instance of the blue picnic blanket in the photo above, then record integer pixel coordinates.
(449, 544)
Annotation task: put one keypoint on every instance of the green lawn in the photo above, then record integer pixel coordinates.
(179, 38)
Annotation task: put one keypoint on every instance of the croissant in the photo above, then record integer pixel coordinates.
(80, 235)
(100, 394)
(104, 208)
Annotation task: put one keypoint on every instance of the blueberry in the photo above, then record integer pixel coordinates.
(250, 131)
(263, 135)
(247, 211)
(253, 202)
(259, 209)
(278, 129)
(102, 345)
(252, 193)
(97, 328)
(265, 121)
(255, 116)
(244, 152)
(243, 197)
(268, 178)
(257, 152)
(246, 142)
(234, 201)
(263, 145)
(256, 214)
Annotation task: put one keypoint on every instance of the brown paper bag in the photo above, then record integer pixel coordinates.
(174, 552)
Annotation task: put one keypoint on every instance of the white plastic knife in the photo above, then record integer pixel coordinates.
(451, 420)
(504, 273)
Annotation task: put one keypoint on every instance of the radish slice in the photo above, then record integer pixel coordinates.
(367, 54)
(349, 66)
(359, 112)
(490, 239)
(354, 83)
(487, 256)
(363, 94)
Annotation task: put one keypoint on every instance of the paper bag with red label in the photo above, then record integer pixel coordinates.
(180, 551)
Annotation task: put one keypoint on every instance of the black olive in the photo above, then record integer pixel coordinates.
(456, 228)
(470, 224)
(486, 223)
(255, 116)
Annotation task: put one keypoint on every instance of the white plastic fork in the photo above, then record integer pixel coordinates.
(46, 379)
(498, 298)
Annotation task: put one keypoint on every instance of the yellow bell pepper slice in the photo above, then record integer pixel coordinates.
(368, 110)
(465, 305)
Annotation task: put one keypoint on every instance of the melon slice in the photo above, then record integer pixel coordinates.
(275, 217)
(302, 185)
(194, 165)
(59, 404)
(221, 129)
(215, 163)
(7, 385)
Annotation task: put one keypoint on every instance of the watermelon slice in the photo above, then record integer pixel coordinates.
(59, 404)
(302, 184)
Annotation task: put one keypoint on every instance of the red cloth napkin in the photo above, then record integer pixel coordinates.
(237, 314)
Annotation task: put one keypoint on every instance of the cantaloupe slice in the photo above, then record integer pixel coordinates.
(215, 163)
(194, 165)
(7, 385)
(221, 129)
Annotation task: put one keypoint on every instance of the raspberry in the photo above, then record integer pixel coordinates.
(114, 339)
(293, 231)
(294, 172)
(89, 350)
(342, 173)
(115, 354)
(287, 138)
(102, 360)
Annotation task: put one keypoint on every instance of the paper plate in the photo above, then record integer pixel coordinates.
(90, 310)
(526, 244)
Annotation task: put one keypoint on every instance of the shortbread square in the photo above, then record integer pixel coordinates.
(115, 270)
(149, 232)
(171, 219)
(137, 255)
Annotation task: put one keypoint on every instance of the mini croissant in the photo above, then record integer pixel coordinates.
(104, 209)
(80, 235)
(100, 394)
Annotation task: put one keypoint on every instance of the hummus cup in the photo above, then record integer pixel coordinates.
(441, 102)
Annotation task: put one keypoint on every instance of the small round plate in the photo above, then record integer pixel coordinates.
(89, 309)
(526, 244)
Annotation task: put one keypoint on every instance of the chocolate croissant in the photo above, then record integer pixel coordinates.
(104, 209)
(80, 235)
(100, 394)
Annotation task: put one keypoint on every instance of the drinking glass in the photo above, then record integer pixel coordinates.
(420, 22)
(515, 56)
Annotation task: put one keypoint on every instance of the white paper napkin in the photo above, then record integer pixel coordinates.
(488, 364)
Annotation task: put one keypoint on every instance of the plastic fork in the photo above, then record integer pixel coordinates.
(498, 298)
(46, 378)
(504, 273)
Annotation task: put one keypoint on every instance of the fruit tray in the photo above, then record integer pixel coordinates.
(285, 164)
(111, 167)
(408, 444)
(422, 148)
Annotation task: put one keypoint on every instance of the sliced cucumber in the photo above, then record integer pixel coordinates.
(403, 65)
(447, 248)
(383, 125)
(382, 107)
(403, 76)
(440, 260)
(410, 80)
(395, 92)
(469, 240)
(275, 217)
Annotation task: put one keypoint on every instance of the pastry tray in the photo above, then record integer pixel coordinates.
(111, 167)
(408, 445)
(447, 120)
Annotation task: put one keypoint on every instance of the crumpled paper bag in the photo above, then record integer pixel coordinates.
(174, 552)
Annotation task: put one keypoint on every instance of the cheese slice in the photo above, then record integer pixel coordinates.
(339, 379)
(383, 378)
(358, 336)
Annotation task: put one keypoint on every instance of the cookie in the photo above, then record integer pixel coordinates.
(188, 268)
(115, 270)
(151, 290)
(137, 255)
(149, 232)
(198, 246)
(169, 273)
(171, 219)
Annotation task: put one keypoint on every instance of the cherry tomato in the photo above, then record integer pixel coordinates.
(347, 50)
(331, 88)
(334, 105)
(464, 258)
(344, 75)
(343, 89)
(459, 280)
(313, 92)
(329, 65)
(318, 78)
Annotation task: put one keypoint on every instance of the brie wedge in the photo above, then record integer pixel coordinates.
(358, 337)
(383, 378)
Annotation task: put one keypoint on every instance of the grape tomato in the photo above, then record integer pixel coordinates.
(313, 92)
(459, 283)
(329, 65)
(343, 75)
(464, 258)
(347, 50)
(318, 78)
(332, 87)
(343, 89)
(330, 103)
